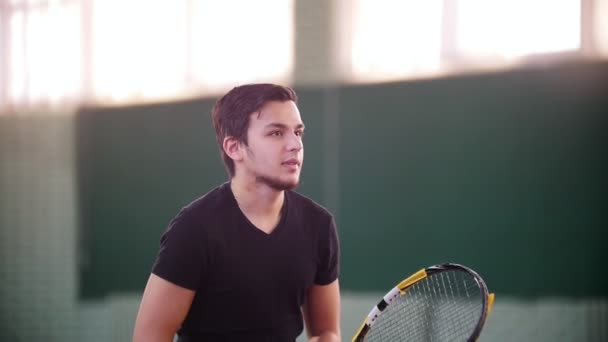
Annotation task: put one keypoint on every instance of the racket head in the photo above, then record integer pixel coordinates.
(445, 302)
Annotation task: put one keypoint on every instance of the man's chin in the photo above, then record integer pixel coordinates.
(279, 184)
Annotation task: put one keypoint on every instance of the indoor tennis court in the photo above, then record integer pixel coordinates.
(429, 141)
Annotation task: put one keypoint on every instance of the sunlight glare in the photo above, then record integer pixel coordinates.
(241, 41)
(16, 74)
(509, 29)
(53, 51)
(395, 38)
(139, 51)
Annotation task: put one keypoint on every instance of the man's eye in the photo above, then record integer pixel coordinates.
(299, 133)
(275, 133)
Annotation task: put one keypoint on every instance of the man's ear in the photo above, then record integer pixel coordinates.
(233, 148)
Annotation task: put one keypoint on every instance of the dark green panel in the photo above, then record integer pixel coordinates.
(137, 167)
(503, 172)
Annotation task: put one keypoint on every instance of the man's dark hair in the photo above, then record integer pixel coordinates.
(231, 113)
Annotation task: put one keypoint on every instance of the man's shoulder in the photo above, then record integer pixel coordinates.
(213, 201)
(307, 205)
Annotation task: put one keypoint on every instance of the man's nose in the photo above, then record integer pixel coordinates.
(295, 142)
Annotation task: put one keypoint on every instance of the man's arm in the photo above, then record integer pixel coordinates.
(322, 313)
(163, 308)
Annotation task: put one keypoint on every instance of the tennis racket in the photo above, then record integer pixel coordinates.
(445, 302)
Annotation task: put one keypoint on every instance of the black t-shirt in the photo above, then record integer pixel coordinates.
(249, 285)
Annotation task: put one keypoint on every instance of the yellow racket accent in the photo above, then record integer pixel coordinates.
(359, 330)
(490, 303)
(403, 285)
(409, 281)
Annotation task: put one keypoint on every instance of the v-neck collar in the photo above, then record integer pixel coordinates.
(278, 228)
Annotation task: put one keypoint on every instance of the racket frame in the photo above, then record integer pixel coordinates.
(404, 285)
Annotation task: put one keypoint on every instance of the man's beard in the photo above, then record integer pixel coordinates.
(277, 184)
(274, 183)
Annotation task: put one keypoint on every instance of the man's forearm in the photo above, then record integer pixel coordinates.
(328, 336)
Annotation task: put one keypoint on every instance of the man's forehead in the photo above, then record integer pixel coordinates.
(280, 114)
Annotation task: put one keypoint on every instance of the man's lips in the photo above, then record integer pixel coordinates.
(292, 162)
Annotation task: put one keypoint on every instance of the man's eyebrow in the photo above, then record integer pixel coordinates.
(282, 126)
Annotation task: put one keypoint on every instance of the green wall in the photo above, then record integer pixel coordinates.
(504, 172)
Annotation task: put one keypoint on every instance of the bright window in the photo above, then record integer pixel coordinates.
(58, 53)
(138, 52)
(43, 53)
(246, 47)
(399, 39)
(392, 39)
(515, 28)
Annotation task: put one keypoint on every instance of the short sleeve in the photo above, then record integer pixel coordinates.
(328, 267)
(180, 258)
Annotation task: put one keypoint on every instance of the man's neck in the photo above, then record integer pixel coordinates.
(260, 203)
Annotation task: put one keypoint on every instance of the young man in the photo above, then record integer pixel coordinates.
(252, 259)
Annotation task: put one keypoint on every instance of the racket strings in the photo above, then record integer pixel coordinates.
(442, 307)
